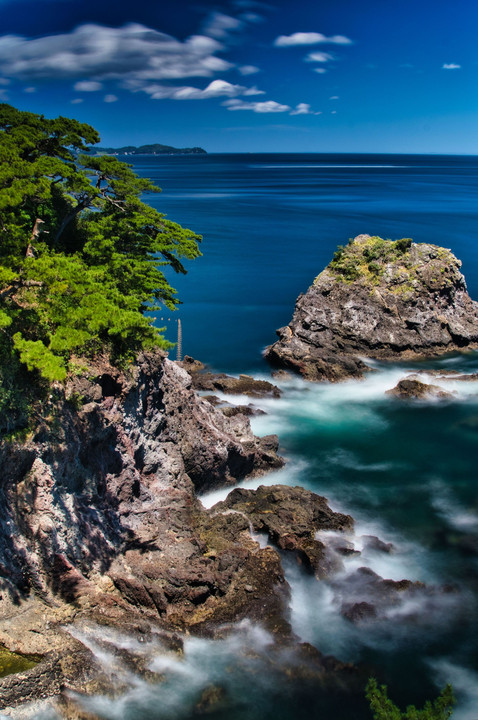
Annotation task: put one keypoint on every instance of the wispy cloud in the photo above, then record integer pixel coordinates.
(87, 86)
(219, 25)
(110, 98)
(451, 66)
(304, 109)
(320, 57)
(310, 38)
(248, 69)
(216, 88)
(101, 53)
(269, 106)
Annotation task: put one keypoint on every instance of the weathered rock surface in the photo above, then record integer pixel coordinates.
(291, 517)
(213, 382)
(414, 389)
(101, 527)
(377, 299)
(100, 515)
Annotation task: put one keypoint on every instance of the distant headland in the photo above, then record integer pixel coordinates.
(155, 149)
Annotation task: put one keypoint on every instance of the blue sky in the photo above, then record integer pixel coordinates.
(244, 76)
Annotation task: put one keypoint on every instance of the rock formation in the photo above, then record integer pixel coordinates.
(377, 299)
(100, 513)
(102, 532)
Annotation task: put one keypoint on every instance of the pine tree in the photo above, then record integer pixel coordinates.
(384, 709)
(81, 255)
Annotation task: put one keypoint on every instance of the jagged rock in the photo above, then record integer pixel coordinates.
(411, 388)
(377, 299)
(371, 542)
(291, 517)
(100, 517)
(243, 385)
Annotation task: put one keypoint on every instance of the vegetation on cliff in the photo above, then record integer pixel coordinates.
(373, 261)
(80, 254)
(368, 258)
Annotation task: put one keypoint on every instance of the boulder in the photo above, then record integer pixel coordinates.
(377, 299)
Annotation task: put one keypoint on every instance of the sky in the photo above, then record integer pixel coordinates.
(398, 76)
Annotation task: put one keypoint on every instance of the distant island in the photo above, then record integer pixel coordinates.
(155, 149)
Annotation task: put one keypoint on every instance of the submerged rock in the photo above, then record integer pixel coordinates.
(413, 389)
(377, 299)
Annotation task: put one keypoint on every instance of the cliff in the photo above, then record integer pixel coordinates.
(377, 299)
(101, 524)
(107, 553)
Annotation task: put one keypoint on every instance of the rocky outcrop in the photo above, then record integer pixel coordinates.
(291, 517)
(214, 382)
(412, 388)
(100, 514)
(377, 299)
(102, 527)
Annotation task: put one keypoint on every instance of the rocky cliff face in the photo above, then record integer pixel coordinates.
(378, 299)
(102, 534)
(100, 516)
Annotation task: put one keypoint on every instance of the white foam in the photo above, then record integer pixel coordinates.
(290, 474)
(451, 510)
(465, 686)
(203, 664)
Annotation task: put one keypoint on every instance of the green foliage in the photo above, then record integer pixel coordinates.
(384, 709)
(368, 259)
(403, 245)
(81, 256)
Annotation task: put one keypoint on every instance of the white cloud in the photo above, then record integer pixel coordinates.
(248, 69)
(253, 91)
(4, 81)
(310, 38)
(77, 101)
(304, 109)
(87, 86)
(451, 66)
(252, 17)
(219, 25)
(269, 106)
(130, 53)
(216, 88)
(334, 97)
(320, 70)
(319, 57)
(110, 98)
(30, 89)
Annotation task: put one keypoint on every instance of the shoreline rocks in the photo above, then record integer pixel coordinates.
(377, 299)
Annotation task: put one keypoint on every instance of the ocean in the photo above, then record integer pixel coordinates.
(405, 471)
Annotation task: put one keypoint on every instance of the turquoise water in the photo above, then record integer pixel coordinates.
(405, 471)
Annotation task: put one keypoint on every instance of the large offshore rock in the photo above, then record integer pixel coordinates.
(378, 299)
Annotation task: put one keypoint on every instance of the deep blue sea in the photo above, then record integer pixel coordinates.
(407, 472)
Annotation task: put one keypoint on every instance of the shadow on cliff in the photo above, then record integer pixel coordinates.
(60, 518)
